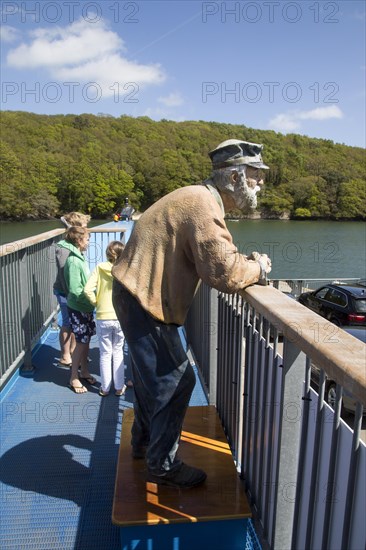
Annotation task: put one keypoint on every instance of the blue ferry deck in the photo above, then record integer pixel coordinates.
(59, 454)
(59, 450)
(303, 469)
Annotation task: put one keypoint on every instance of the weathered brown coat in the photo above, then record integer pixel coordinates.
(179, 240)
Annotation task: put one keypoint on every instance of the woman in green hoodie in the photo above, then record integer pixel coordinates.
(67, 340)
(82, 323)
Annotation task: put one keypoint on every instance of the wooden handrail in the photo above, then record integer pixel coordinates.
(15, 246)
(342, 356)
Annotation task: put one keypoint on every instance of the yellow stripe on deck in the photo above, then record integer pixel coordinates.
(204, 445)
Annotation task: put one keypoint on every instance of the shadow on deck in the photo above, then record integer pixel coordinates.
(58, 460)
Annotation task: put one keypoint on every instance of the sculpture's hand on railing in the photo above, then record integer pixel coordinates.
(265, 265)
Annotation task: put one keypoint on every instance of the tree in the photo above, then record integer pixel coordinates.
(352, 199)
(275, 203)
(11, 176)
(302, 213)
(54, 164)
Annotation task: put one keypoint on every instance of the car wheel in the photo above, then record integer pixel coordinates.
(335, 321)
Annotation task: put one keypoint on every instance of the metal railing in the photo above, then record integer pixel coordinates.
(303, 467)
(297, 286)
(27, 303)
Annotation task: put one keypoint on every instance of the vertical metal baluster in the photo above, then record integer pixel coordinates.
(316, 460)
(352, 475)
(288, 445)
(303, 446)
(331, 485)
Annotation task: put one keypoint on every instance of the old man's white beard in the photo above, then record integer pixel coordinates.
(245, 197)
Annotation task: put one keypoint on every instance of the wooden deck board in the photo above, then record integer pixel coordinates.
(203, 444)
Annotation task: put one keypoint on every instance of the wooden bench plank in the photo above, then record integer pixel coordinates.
(204, 445)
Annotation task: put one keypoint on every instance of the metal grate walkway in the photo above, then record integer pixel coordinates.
(58, 458)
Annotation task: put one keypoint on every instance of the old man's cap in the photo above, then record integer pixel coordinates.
(233, 152)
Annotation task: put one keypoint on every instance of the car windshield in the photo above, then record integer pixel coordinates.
(360, 306)
(322, 292)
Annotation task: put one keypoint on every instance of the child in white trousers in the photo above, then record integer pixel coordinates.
(98, 290)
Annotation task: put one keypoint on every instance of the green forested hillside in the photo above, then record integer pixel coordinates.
(55, 164)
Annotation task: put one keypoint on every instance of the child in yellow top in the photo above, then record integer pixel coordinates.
(98, 290)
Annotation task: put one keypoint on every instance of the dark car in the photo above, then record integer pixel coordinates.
(340, 304)
(348, 402)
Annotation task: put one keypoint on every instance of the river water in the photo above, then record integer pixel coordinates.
(298, 249)
(305, 249)
(14, 231)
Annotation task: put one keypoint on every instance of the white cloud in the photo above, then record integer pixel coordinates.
(287, 122)
(157, 113)
(59, 46)
(9, 34)
(108, 69)
(321, 113)
(83, 53)
(283, 122)
(172, 100)
(165, 110)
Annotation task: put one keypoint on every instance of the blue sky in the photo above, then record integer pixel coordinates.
(286, 66)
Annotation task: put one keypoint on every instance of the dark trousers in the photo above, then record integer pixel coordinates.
(163, 380)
